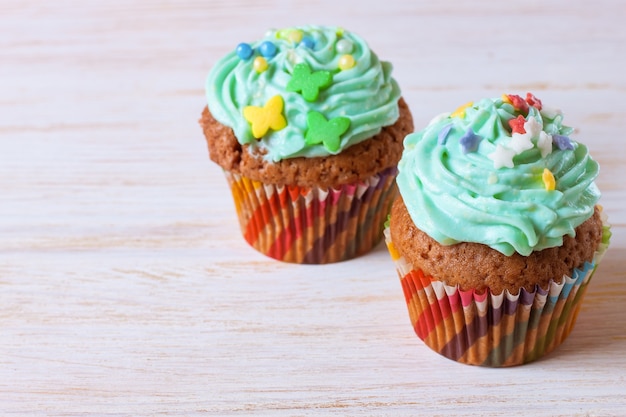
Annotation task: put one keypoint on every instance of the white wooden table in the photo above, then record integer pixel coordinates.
(125, 286)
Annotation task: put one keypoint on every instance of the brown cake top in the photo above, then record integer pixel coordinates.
(355, 163)
(477, 266)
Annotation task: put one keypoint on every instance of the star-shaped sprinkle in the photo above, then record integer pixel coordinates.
(517, 124)
(548, 179)
(443, 134)
(532, 127)
(308, 82)
(562, 142)
(460, 112)
(502, 157)
(469, 141)
(267, 117)
(325, 131)
(520, 142)
(533, 101)
(544, 143)
(518, 103)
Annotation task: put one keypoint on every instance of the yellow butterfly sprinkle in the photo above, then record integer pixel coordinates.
(267, 117)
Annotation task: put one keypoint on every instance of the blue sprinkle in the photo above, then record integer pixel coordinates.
(443, 134)
(469, 141)
(563, 142)
(308, 42)
(267, 49)
(244, 51)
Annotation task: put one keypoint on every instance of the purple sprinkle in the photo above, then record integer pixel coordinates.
(562, 142)
(443, 134)
(469, 141)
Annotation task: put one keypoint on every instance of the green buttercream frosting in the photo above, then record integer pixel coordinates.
(459, 195)
(365, 93)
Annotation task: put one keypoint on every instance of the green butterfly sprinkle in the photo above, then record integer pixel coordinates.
(325, 131)
(307, 82)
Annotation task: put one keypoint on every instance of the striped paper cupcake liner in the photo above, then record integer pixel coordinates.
(495, 330)
(313, 225)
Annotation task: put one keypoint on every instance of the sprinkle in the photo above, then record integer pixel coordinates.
(492, 179)
(533, 101)
(551, 113)
(308, 82)
(460, 112)
(506, 99)
(563, 142)
(469, 141)
(325, 131)
(544, 143)
(532, 127)
(307, 42)
(267, 117)
(443, 134)
(517, 124)
(339, 32)
(346, 62)
(244, 51)
(518, 103)
(502, 157)
(548, 180)
(294, 36)
(267, 49)
(259, 64)
(521, 142)
(344, 46)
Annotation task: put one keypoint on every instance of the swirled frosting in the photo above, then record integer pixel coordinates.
(307, 91)
(501, 172)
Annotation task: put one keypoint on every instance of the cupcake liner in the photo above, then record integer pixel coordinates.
(490, 329)
(309, 224)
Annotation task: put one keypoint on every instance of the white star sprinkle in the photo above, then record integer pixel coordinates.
(520, 142)
(532, 127)
(502, 157)
(550, 112)
(544, 143)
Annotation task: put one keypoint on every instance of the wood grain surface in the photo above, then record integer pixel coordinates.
(125, 286)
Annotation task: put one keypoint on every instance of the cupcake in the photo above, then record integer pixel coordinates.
(307, 124)
(496, 231)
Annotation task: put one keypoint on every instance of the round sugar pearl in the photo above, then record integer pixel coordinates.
(259, 64)
(267, 49)
(346, 62)
(308, 42)
(244, 51)
(295, 36)
(344, 46)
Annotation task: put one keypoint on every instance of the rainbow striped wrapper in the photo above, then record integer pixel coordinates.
(489, 329)
(313, 225)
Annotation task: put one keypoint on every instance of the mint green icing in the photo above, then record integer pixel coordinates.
(461, 197)
(365, 94)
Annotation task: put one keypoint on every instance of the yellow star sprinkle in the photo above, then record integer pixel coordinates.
(548, 180)
(267, 117)
(460, 112)
(506, 99)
